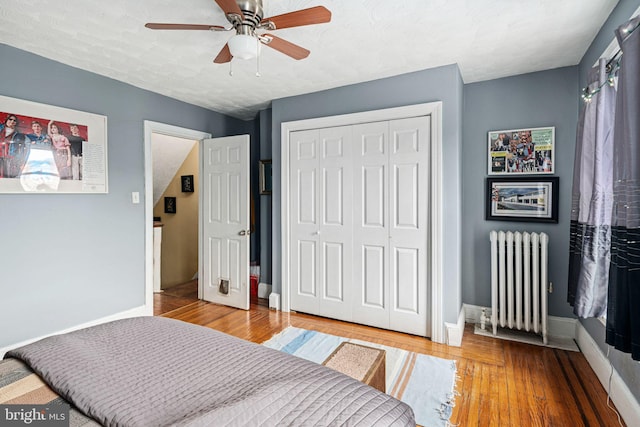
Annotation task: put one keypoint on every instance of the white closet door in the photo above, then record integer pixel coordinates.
(305, 225)
(371, 224)
(409, 196)
(359, 217)
(321, 206)
(336, 211)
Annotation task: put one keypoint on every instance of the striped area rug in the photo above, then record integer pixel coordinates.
(425, 383)
(19, 385)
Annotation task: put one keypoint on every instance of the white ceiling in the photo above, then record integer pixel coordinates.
(365, 40)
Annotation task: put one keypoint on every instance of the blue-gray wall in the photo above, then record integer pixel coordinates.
(265, 200)
(438, 84)
(622, 362)
(547, 98)
(70, 259)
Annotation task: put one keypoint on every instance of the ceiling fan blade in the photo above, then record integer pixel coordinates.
(224, 55)
(161, 26)
(313, 15)
(288, 48)
(229, 6)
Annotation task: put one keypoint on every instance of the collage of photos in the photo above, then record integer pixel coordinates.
(526, 151)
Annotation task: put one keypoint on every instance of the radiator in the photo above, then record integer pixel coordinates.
(519, 281)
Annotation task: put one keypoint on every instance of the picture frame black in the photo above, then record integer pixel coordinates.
(264, 167)
(187, 183)
(524, 199)
(170, 205)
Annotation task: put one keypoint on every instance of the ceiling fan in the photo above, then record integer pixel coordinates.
(246, 18)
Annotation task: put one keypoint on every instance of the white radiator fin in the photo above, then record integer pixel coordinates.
(519, 281)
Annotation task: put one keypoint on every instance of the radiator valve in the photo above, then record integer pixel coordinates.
(483, 319)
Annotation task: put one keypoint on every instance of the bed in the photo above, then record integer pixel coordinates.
(153, 371)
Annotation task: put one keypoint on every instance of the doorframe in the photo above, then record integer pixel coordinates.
(433, 109)
(150, 128)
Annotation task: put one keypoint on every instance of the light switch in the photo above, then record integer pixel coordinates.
(135, 197)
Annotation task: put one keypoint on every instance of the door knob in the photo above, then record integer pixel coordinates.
(242, 232)
(317, 233)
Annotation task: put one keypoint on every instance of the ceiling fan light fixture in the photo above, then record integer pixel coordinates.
(243, 46)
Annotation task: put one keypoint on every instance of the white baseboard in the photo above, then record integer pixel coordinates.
(625, 401)
(264, 289)
(456, 330)
(274, 301)
(563, 327)
(134, 312)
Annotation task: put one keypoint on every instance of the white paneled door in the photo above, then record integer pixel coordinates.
(321, 206)
(360, 223)
(225, 240)
(409, 185)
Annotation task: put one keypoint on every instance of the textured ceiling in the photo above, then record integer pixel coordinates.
(365, 40)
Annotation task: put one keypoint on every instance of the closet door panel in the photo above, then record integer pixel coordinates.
(306, 262)
(371, 224)
(336, 217)
(304, 239)
(373, 274)
(409, 224)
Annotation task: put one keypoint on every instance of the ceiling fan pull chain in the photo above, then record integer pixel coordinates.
(258, 58)
(231, 68)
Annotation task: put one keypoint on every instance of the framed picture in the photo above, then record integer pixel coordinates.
(521, 151)
(187, 183)
(265, 176)
(49, 149)
(529, 199)
(170, 205)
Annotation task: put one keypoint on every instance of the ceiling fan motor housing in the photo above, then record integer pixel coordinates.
(253, 13)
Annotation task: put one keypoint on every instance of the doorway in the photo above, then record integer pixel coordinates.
(167, 134)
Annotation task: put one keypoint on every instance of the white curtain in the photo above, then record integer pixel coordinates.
(592, 197)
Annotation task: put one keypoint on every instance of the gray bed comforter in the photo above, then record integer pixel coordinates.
(152, 371)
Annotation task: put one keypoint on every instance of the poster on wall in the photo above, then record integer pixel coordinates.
(48, 149)
(521, 151)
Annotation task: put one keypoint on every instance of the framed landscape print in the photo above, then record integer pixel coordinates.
(529, 199)
(521, 151)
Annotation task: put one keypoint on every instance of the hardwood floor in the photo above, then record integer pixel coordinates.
(175, 297)
(501, 383)
(184, 294)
